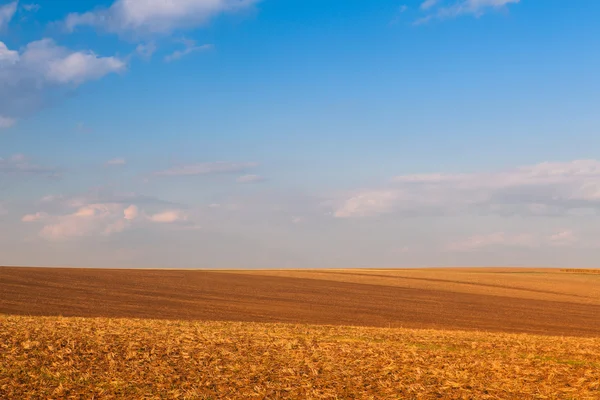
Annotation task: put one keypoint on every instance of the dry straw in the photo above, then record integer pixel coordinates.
(77, 358)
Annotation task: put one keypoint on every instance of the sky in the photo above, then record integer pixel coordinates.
(299, 134)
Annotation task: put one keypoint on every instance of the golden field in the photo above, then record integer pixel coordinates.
(460, 333)
(98, 358)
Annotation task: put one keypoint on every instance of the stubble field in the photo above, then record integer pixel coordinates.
(430, 334)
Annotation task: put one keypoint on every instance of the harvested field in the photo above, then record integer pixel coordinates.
(74, 358)
(547, 302)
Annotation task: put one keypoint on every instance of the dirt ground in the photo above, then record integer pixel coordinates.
(502, 300)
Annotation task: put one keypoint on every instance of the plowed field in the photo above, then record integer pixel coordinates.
(549, 302)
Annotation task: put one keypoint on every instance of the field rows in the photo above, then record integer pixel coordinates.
(551, 303)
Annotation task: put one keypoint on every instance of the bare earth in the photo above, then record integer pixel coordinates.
(539, 301)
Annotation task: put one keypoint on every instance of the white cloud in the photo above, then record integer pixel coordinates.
(250, 179)
(190, 47)
(31, 7)
(18, 164)
(28, 76)
(99, 219)
(34, 217)
(106, 196)
(442, 10)
(50, 198)
(6, 122)
(208, 168)
(116, 161)
(146, 50)
(131, 213)
(565, 238)
(479, 242)
(155, 16)
(401, 10)
(168, 217)
(427, 4)
(7, 12)
(47, 62)
(542, 189)
(76, 68)
(102, 212)
(7, 56)
(93, 219)
(367, 203)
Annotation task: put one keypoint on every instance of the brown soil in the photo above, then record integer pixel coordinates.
(231, 296)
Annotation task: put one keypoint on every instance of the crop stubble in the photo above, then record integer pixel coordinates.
(75, 358)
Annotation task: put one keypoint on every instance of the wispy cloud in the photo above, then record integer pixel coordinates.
(99, 219)
(18, 164)
(93, 219)
(427, 4)
(146, 50)
(190, 47)
(439, 9)
(208, 168)
(250, 179)
(169, 217)
(367, 203)
(564, 238)
(6, 122)
(34, 217)
(144, 17)
(542, 189)
(7, 12)
(401, 10)
(479, 242)
(26, 76)
(31, 7)
(116, 162)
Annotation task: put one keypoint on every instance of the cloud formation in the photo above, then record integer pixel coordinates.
(31, 7)
(6, 122)
(439, 9)
(116, 162)
(7, 12)
(97, 219)
(366, 204)
(93, 219)
(190, 47)
(208, 168)
(541, 189)
(168, 217)
(564, 238)
(427, 4)
(18, 164)
(143, 17)
(27, 76)
(250, 179)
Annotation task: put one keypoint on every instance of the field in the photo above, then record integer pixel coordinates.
(414, 334)
(62, 358)
(548, 302)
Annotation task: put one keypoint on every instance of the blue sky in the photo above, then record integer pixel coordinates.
(247, 133)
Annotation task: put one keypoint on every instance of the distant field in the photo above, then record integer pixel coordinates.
(538, 301)
(74, 358)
